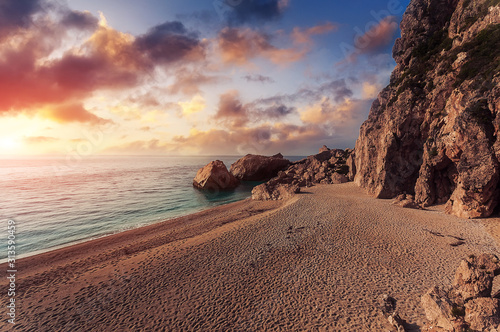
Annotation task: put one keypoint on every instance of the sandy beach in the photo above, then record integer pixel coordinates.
(318, 262)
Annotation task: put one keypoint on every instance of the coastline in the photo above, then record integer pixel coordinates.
(332, 250)
(143, 238)
(131, 228)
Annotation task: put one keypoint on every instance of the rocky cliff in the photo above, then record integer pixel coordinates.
(433, 131)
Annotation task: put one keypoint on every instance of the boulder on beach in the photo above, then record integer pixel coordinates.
(258, 168)
(274, 190)
(468, 304)
(214, 177)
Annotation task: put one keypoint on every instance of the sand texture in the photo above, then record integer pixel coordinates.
(318, 262)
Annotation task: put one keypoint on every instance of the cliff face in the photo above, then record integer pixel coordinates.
(433, 131)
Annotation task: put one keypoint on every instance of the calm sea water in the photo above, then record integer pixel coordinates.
(56, 202)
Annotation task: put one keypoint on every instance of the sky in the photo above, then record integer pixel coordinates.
(190, 77)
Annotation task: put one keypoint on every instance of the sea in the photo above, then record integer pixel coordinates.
(59, 201)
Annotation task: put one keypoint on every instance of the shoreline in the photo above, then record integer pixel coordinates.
(330, 252)
(131, 228)
(118, 244)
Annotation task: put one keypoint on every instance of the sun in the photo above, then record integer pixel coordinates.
(9, 143)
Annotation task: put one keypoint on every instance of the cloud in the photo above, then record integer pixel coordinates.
(245, 11)
(276, 111)
(336, 89)
(337, 117)
(263, 139)
(370, 90)
(17, 14)
(145, 100)
(34, 81)
(259, 78)
(170, 42)
(188, 82)
(239, 46)
(195, 105)
(234, 114)
(39, 139)
(72, 113)
(79, 20)
(300, 36)
(231, 111)
(378, 37)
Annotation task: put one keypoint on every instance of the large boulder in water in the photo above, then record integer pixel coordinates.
(214, 177)
(258, 168)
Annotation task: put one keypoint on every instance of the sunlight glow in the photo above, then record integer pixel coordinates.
(9, 143)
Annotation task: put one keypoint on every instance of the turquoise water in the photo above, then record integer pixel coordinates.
(57, 201)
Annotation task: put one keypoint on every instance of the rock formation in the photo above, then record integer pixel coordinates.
(433, 131)
(215, 177)
(258, 168)
(406, 201)
(326, 167)
(467, 305)
(274, 190)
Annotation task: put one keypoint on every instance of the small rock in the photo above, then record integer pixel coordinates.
(438, 308)
(396, 321)
(338, 178)
(273, 190)
(388, 305)
(407, 201)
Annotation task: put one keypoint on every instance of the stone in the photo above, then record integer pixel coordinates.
(438, 308)
(324, 148)
(474, 276)
(273, 190)
(258, 168)
(396, 321)
(482, 313)
(327, 167)
(407, 201)
(215, 177)
(339, 178)
(432, 131)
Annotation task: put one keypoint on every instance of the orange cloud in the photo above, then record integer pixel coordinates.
(116, 47)
(239, 46)
(231, 111)
(195, 105)
(39, 139)
(300, 36)
(378, 36)
(72, 113)
(346, 115)
(188, 82)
